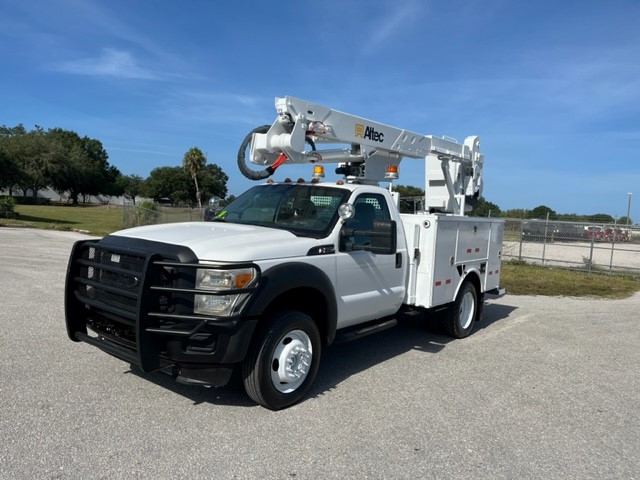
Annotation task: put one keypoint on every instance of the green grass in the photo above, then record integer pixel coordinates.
(517, 277)
(93, 219)
(520, 278)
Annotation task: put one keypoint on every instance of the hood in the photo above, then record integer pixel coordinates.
(225, 241)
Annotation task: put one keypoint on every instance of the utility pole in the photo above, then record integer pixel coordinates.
(628, 207)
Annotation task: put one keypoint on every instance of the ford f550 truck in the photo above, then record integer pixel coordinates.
(290, 267)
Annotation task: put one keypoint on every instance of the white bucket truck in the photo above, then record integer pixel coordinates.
(290, 267)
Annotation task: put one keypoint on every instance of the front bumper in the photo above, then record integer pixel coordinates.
(138, 306)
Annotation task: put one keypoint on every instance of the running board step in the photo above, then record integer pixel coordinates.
(363, 331)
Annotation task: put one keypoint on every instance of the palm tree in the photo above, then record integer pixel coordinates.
(194, 161)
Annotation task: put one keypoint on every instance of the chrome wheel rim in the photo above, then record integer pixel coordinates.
(291, 361)
(467, 310)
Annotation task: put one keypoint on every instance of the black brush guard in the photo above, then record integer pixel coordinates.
(139, 306)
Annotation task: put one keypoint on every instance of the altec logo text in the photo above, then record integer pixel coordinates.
(368, 133)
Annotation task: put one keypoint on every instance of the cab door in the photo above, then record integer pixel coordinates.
(370, 285)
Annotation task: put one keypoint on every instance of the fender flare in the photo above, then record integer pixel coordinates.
(475, 277)
(282, 278)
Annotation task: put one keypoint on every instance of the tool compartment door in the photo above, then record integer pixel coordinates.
(431, 279)
(492, 279)
(473, 241)
(445, 276)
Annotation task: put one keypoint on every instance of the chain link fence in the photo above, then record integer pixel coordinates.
(608, 248)
(136, 215)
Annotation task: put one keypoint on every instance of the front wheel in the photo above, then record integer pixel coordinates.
(461, 315)
(283, 362)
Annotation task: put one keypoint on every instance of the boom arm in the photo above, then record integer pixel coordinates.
(371, 146)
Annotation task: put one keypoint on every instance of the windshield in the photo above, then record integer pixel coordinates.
(304, 210)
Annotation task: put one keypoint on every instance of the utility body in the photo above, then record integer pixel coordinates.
(291, 267)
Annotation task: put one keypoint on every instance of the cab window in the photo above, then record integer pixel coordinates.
(368, 207)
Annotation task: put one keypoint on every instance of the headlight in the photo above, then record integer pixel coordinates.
(219, 281)
(212, 279)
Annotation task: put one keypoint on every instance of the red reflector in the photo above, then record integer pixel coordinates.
(448, 282)
(438, 283)
(468, 250)
(477, 250)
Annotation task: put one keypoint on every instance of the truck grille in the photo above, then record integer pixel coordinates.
(110, 279)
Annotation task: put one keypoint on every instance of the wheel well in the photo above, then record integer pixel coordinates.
(475, 281)
(306, 300)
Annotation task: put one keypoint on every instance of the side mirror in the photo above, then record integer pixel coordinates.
(381, 239)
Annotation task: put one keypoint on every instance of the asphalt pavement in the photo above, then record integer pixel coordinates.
(545, 388)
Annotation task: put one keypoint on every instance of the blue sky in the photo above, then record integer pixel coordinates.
(551, 87)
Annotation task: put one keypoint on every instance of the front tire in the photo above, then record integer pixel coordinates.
(283, 362)
(460, 318)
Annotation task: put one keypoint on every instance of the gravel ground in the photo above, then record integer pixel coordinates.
(545, 388)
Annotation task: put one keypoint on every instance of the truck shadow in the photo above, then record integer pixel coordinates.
(232, 394)
(340, 361)
(494, 312)
(414, 332)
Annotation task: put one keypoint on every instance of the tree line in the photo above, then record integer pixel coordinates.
(78, 167)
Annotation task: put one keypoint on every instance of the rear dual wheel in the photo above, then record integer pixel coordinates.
(283, 362)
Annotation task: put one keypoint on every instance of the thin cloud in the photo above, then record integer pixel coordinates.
(390, 25)
(105, 21)
(110, 63)
(220, 108)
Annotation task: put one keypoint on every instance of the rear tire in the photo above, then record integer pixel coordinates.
(283, 361)
(460, 318)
